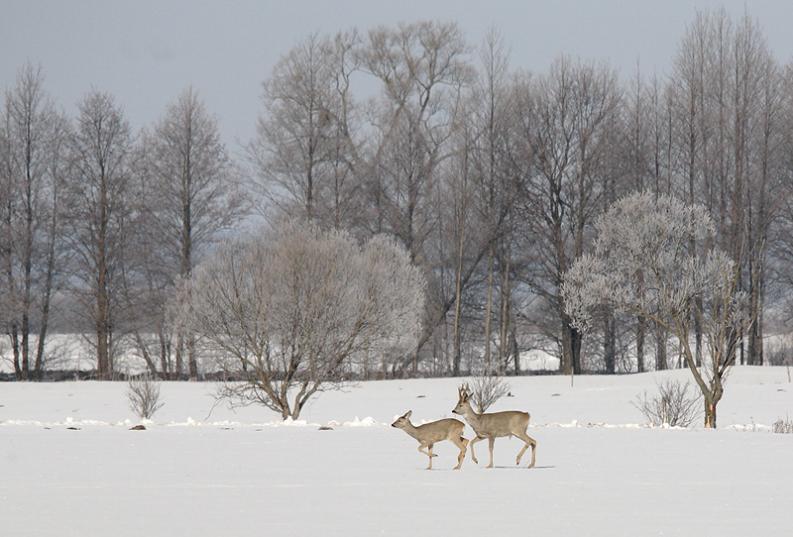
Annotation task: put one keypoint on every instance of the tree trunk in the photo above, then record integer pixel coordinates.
(503, 334)
(698, 332)
(102, 300)
(47, 291)
(489, 310)
(571, 349)
(179, 365)
(515, 351)
(661, 338)
(640, 331)
(458, 307)
(193, 360)
(14, 335)
(609, 343)
(165, 354)
(710, 414)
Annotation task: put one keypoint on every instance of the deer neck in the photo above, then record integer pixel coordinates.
(412, 430)
(471, 416)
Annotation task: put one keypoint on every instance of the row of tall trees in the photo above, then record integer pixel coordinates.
(104, 223)
(491, 177)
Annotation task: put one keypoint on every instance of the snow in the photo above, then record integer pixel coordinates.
(600, 472)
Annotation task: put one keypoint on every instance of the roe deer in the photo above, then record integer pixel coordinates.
(494, 425)
(436, 431)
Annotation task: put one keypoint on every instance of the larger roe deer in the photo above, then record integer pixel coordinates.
(431, 433)
(495, 425)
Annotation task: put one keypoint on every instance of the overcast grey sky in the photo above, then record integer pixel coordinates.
(145, 52)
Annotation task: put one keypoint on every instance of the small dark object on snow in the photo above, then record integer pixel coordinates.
(138, 428)
(556, 395)
(47, 428)
(509, 394)
(325, 428)
(73, 428)
(420, 396)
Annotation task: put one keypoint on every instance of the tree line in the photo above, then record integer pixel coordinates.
(490, 177)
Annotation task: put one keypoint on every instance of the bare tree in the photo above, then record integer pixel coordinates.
(566, 117)
(99, 210)
(32, 162)
(304, 153)
(495, 177)
(192, 193)
(287, 310)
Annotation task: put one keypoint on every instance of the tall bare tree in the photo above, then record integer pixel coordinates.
(304, 152)
(32, 163)
(99, 211)
(566, 117)
(194, 193)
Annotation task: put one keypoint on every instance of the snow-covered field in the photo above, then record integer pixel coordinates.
(600, 472)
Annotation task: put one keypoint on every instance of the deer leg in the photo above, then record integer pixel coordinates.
(431, 456)
(529, 441)
(461, 443)
(473, 441)
(491, 441)
(423, 452)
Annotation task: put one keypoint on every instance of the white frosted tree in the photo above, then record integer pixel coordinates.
(642, 234)
(287, 311)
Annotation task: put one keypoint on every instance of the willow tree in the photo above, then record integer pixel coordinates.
(288, 311)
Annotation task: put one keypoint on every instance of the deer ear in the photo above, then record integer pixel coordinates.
(408, 414)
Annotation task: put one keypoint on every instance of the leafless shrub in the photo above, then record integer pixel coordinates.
(673, 405)
(486, 390)
(143, 394)
(783, 426)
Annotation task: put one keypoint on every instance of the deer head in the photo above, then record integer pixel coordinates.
(463, 394)
(403, 421)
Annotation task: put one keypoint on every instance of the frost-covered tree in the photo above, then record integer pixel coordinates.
(288, 310)
(641, 234)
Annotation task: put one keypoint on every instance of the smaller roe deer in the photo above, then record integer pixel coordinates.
(431, 433)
